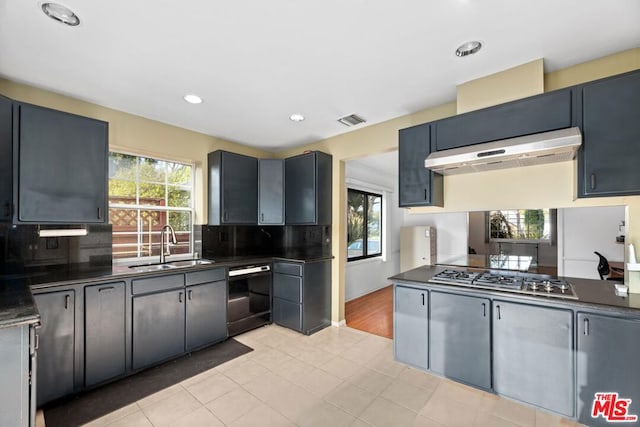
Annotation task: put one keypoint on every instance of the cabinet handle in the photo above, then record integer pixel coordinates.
(106, 289)
(225, 216)
(99, 213)
(484, 309)
(593, 181)
(37, 342)
(180, 297)
(8, 209)
(190, 295)
(423, 299)
(67, 300)
(425, 194)
(586, 326)
(498, 311)
(262, 217)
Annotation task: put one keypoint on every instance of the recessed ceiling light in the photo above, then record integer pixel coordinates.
(296, 117)
(468, 48)
(61, 14)
(192, 99)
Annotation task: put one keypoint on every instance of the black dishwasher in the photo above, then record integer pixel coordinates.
(249, 299)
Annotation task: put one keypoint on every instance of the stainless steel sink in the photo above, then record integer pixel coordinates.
(189, 263)
(151, 267)
(170, 265)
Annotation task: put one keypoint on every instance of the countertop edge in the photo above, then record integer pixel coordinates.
(581, 285)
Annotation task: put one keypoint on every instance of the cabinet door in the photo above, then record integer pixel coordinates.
(316, 296)
(271, 191)
(308, 189)
(62, 167)
(541, 113)
(14, 368)
(411, 326)
(104, 331)
(287, 314)
(206, 318)
(533, 355)
(608, 349)
(6, 159)
(460, 338)
(608, 160)
(418, 186)
(287, 287)
(158, 327)
(55, 373)
(233, 188)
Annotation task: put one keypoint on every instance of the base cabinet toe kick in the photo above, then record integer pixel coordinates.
(563, 358)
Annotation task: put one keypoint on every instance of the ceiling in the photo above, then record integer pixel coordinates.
(257, 62)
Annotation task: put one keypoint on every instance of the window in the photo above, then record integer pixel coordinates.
(364, 225)
(144, 195)
(522, 225)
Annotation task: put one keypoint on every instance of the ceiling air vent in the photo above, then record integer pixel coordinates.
(351, 120)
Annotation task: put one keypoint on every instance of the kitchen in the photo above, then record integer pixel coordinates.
(463, 193)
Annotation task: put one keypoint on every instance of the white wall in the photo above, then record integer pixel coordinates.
(581, 231)
(451, 230)
(368, 275)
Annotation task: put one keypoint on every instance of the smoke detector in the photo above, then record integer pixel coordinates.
(351, 120)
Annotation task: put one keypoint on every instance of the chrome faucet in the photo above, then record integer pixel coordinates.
(163, 254)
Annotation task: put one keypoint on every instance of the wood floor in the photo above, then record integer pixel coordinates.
(372, 313)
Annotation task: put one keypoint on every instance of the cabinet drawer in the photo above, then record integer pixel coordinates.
(287, 287)
(286, 313)
(205, 276)
(288, 268)
(157, 283)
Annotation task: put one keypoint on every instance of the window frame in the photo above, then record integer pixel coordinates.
(365, 239)
(168, 209)
(550, 218)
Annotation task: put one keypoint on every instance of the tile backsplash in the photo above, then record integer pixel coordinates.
(21, 247)
(237, 241)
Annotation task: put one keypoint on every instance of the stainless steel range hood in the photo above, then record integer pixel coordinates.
(548, 147)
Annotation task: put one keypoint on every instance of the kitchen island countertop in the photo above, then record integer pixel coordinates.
(592, 294)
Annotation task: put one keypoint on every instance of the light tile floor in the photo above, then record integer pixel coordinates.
(336, 377)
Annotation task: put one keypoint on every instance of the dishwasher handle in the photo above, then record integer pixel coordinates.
(252, 269)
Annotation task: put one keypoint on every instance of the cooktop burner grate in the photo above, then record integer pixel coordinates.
(518, 283)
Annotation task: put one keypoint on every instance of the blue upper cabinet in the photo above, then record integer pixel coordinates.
(610, 121)
(418, 186)
(233, 188)
(60, 167)
(6, 158)
(540, 113)
(307, 189)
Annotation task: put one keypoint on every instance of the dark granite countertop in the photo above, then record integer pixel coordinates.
(16, 304)
(18, 307)
(41, 277)
(592, 294)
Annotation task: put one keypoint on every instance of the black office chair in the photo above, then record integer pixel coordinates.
(604, 270)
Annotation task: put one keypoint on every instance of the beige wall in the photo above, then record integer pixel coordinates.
(137, 135)
(535, 186)
(508, 85)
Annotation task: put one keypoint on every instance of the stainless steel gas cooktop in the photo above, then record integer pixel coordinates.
(522, 283)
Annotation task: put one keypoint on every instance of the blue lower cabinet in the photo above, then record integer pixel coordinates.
(411, 326)
(533, 355)
(460, 338)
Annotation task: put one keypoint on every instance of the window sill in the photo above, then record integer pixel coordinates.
(375, 259)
